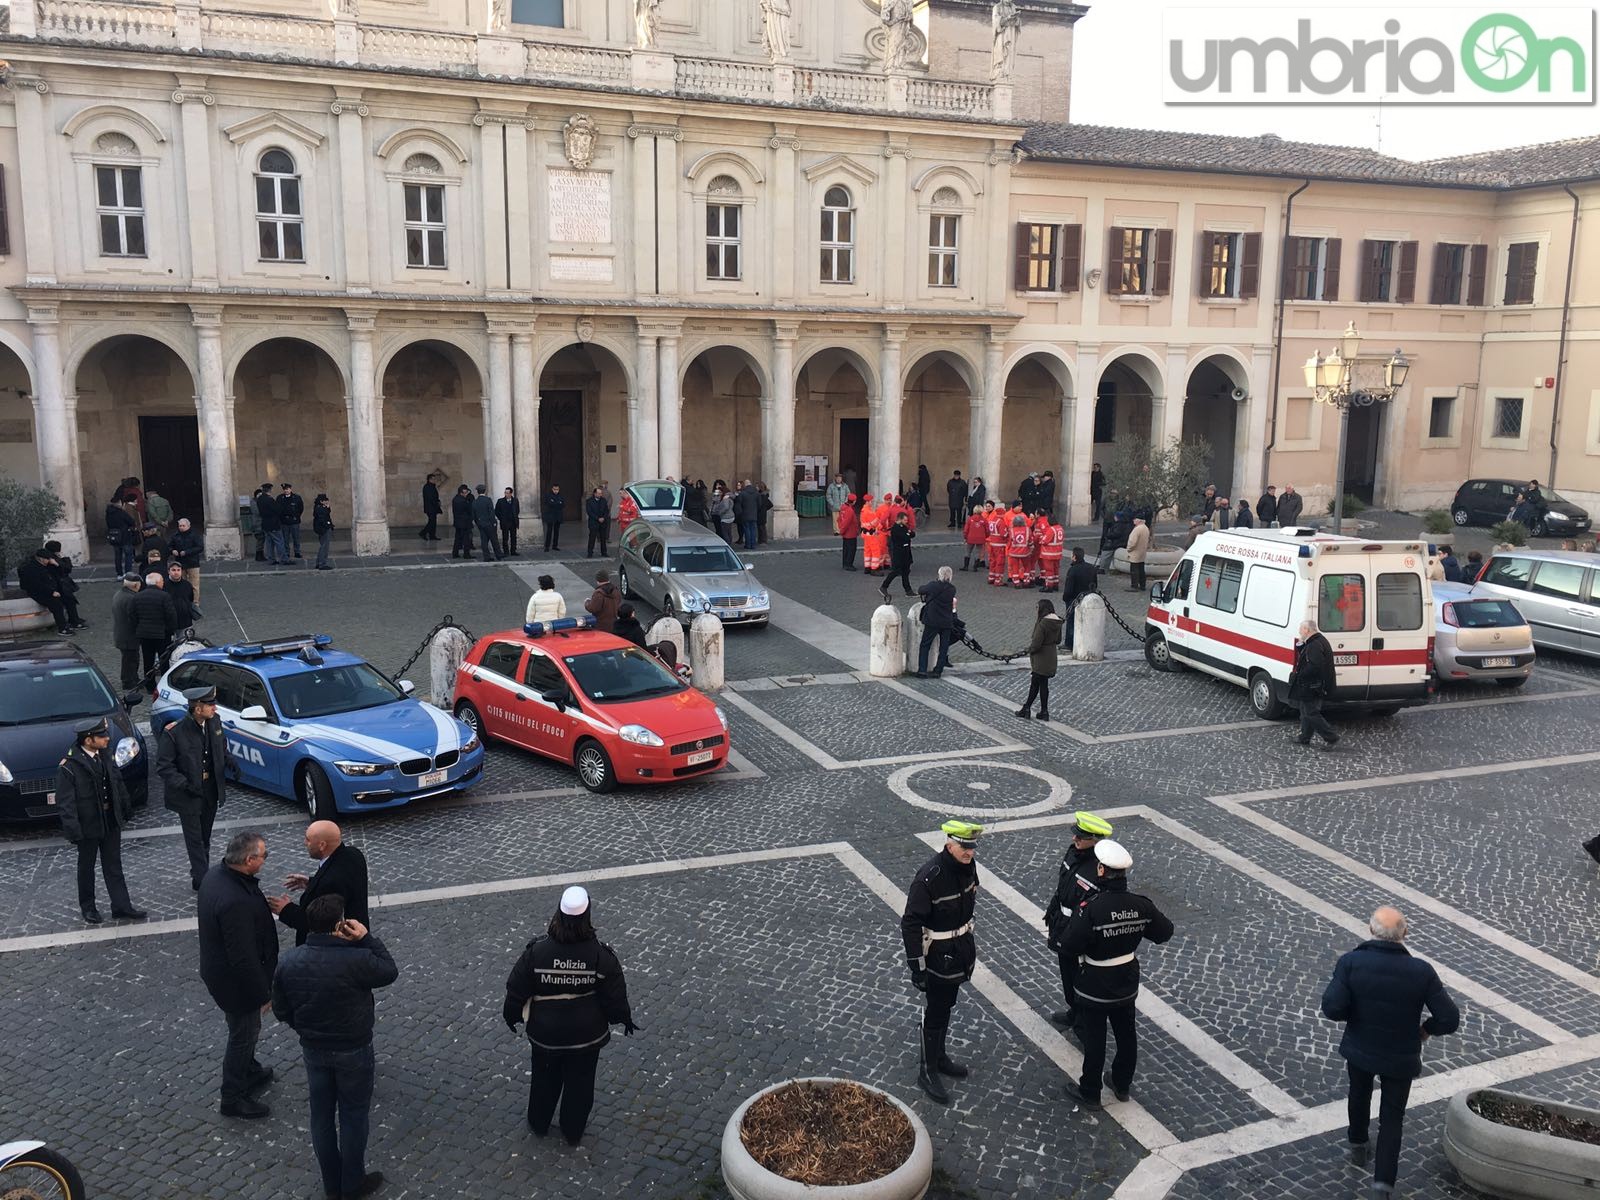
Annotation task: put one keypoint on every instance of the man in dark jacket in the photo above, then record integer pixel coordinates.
(270, 523)
(553, 511)
(124, 629)
(955, 493)
(627, 626)
(38, 582)
(122, 532)
(461, 518)
(1379, 991)
(900, 535)
(431, 508)
(60, 569)
(936, 929)
(94, 807)
(1047, 493)
(1028, 493)
(1105, 932)
(1312, 682)
(1097, 492)
(938, 622)
(188, 548)
(1080, 579)
(508, 514)
(747, 512)
(1450, 564)
(323, 991)
(597, 511)
(1078, 879)
(1289, 506)
(604, 602)
(341, 871)
(155, 620)
(192, 761)
(483, 518)
(181, 594)
(238, 953)
(1267, 507)
(290, 509)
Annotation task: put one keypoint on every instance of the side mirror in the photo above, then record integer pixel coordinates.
(557, 696)
(1158, 593)
(134, 698)
(658, 570)
(407, 686)
(751, 567)
(254, 713)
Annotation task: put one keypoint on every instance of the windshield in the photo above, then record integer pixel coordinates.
(1486, 614)
(657, 495)
(702, 560)
(329, 690)
(33, 695)
(610, 676)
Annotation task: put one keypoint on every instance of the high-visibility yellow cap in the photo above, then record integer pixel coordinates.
(962, 833)
(1090, 825)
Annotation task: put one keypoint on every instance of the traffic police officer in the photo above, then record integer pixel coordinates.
(94, 809)
(192, 759)
(940, 950)
(1078, 881)
(1106, 932)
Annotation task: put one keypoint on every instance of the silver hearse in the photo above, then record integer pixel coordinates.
(683, 569)
(1557, 591)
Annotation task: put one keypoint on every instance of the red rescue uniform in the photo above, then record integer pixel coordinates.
(995, 523)
(1050, 557)
(1019, 547)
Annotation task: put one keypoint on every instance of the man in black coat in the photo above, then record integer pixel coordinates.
(431, 508)
(483, 518)
(955, 492)
(155, 620)
(1047, 493)
(1267, 507)
(94, 807)
(238, 954)
(936, 929)
(1028, 493)
(192, 761)
(747, 512)
(553, 510)
(1289, 507)
(1077, 880)
(125, 629)
(1379, 991)
(271, 525)
(38, 582)
(597, 511)
(1080, 579)
(508, 513)
(461, 518)
(290, 509)
(938, 622)
(900, 535)
(188, 549)
(341, 871)
(1312, 682)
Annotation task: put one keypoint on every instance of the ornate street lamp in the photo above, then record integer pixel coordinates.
(1333, 380)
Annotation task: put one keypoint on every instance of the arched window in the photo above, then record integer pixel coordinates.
(722, 228)
(944, 240)
(424, 213)
(280, 223)
(119, 198)
(838, 236)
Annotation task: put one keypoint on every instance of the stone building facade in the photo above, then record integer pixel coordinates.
(536, 241)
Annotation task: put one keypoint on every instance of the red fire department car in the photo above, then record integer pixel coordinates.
(567, 691)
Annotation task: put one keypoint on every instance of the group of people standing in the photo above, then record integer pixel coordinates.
(278, 519)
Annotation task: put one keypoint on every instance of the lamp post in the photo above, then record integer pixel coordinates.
(1332, 380)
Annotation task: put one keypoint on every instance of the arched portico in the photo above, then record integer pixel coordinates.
(834, 391)
(433, 422)
(941, 388)
(1036, 425)
(585, 435)
(724, 390)
(1214, 399)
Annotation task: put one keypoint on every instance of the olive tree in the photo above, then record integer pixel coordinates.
(1144, 474)
(26, 515)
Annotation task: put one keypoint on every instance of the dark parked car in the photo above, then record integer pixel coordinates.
(1489, 501)
(46, 689)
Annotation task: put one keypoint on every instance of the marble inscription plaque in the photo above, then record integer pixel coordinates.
(580, 207)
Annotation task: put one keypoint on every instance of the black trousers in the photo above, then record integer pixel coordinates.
(942, 995)
(1136, 571)
(431, 529)
(1312, 721)
(463, 542)
(1092, 1022)
(149, 651)
(902, 573)
(239, 1063)
(552, 535)
(130, 668)
(931, 635)
(491, 551)
(1039, 689)
(57, 609)
(597, 536)
(508, 539)
(197, 839)
(108, 848)
(848, 552)
(1069, 977)
(1391, 1117)
(567, 1076)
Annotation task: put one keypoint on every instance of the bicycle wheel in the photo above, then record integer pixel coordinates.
(41, 1174)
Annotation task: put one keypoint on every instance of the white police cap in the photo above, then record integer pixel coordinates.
(1112, 855)
(574, 901)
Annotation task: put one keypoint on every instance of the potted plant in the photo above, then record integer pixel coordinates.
(26, 515)
(1513, 533)
(1522, 1148)
(823, 1138)
(1436, 522)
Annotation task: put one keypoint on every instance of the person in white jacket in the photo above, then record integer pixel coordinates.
(546, 604)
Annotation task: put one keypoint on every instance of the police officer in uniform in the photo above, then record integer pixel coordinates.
(94, 807)
(1106, 932)
(191, 758)
(1078, 881)
(940, 950)
(568, 987)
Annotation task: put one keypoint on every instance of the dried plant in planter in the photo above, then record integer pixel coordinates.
(1533, 1117)
(827, 1134)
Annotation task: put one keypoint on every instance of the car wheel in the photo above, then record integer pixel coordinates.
(1461, 516)
(594, 766)
(469, 716)
(1537, 528)
(1264, 700)
(1512, 683)
(315, 792)
(1156, 652)
(622, 582)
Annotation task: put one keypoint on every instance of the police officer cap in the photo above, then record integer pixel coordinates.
(1090, 825)
(200, 695)
(93, 727)
(132, 577)
(962, 833)
(1112, 855)
(574, 901)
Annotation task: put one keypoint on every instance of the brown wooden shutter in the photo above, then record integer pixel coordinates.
(1513, 273)
(1440, 275)
(1477, 274)
(5, 217)
(1368, 283)
(1024, 245)
(1202, 265)
(1405, 282)
(1114, 260)
(1250, 266)
(1071, 257)
(1527, 271)
(1289, 271)
(1330, 271)
(1161, 273)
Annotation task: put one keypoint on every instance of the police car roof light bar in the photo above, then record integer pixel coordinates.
(293, 644)
(536, 629)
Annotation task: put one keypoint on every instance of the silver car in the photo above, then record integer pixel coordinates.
(1558, 591)
(1479, 638)
(683, 569)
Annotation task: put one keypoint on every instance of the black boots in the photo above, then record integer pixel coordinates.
(947, 1065)
(928, 1075)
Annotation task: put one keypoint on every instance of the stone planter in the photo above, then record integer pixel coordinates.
(1158, 562)
(749, 1180)
(22, 615)
(1519, 1164)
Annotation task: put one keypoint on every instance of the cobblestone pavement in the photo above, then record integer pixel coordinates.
(755, 912)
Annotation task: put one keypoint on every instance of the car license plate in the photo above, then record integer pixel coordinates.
(704, 756)
(1345, 660)
(730, 614)
(49, 797)
(432, 779)
(1499, 662)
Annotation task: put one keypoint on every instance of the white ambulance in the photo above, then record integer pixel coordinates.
(1233, 608)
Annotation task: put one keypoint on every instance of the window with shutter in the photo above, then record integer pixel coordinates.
(1250, 266)
(1139, 262)
(1331, 248)
(1161, 274)
(1071, 257)
(1379, 271)
(1037, 257)
(1230, 265)
(1405, 280)
(1522, 264)
(1449, 273)
(1477, 274)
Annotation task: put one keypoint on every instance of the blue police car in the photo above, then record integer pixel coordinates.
(323, 727)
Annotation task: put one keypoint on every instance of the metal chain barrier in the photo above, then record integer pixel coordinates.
(971, 643)
(449, 622)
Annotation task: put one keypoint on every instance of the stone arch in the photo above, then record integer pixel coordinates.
(748, 353)
(1211, 413)
(722, 388)
(24, 353)
(117, 117)
(85, 340)
(18, 459)
(417, 134)
(855, 356)
(465, 351)
(723, 162)
(936, 415)
(324, 338)
(1129, 393)
(584, 433)
(622, 349)
(1035, 431)
(432, 394)
(835, 386)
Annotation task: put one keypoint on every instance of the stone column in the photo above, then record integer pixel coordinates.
(1248, 463)
(669, 389)
(195, 104)
(498, 444)
(1077, 482)
(777, 434)
(1166, 412)
(642, 203)
(216, 440)
(33, 139)
(353, 192)
(525, 420)
(884, 434)
(986, 433)
(899, 227)
(53, 429)
(365, 412)
(783, 215)
(519, 203)
(667, 180)
(643, 441)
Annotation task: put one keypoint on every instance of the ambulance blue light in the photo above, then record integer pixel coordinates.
(535, 629)
(1305, 551)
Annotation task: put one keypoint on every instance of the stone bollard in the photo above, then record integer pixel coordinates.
(887, 657)
(446, 653)
(911, 635)
(1089, 629)
(667, 629)
(705, 652)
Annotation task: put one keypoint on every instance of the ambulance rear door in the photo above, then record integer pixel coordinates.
(1401, 616)
(1341, 599)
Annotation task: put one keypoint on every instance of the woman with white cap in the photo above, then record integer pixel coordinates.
(568, 987)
